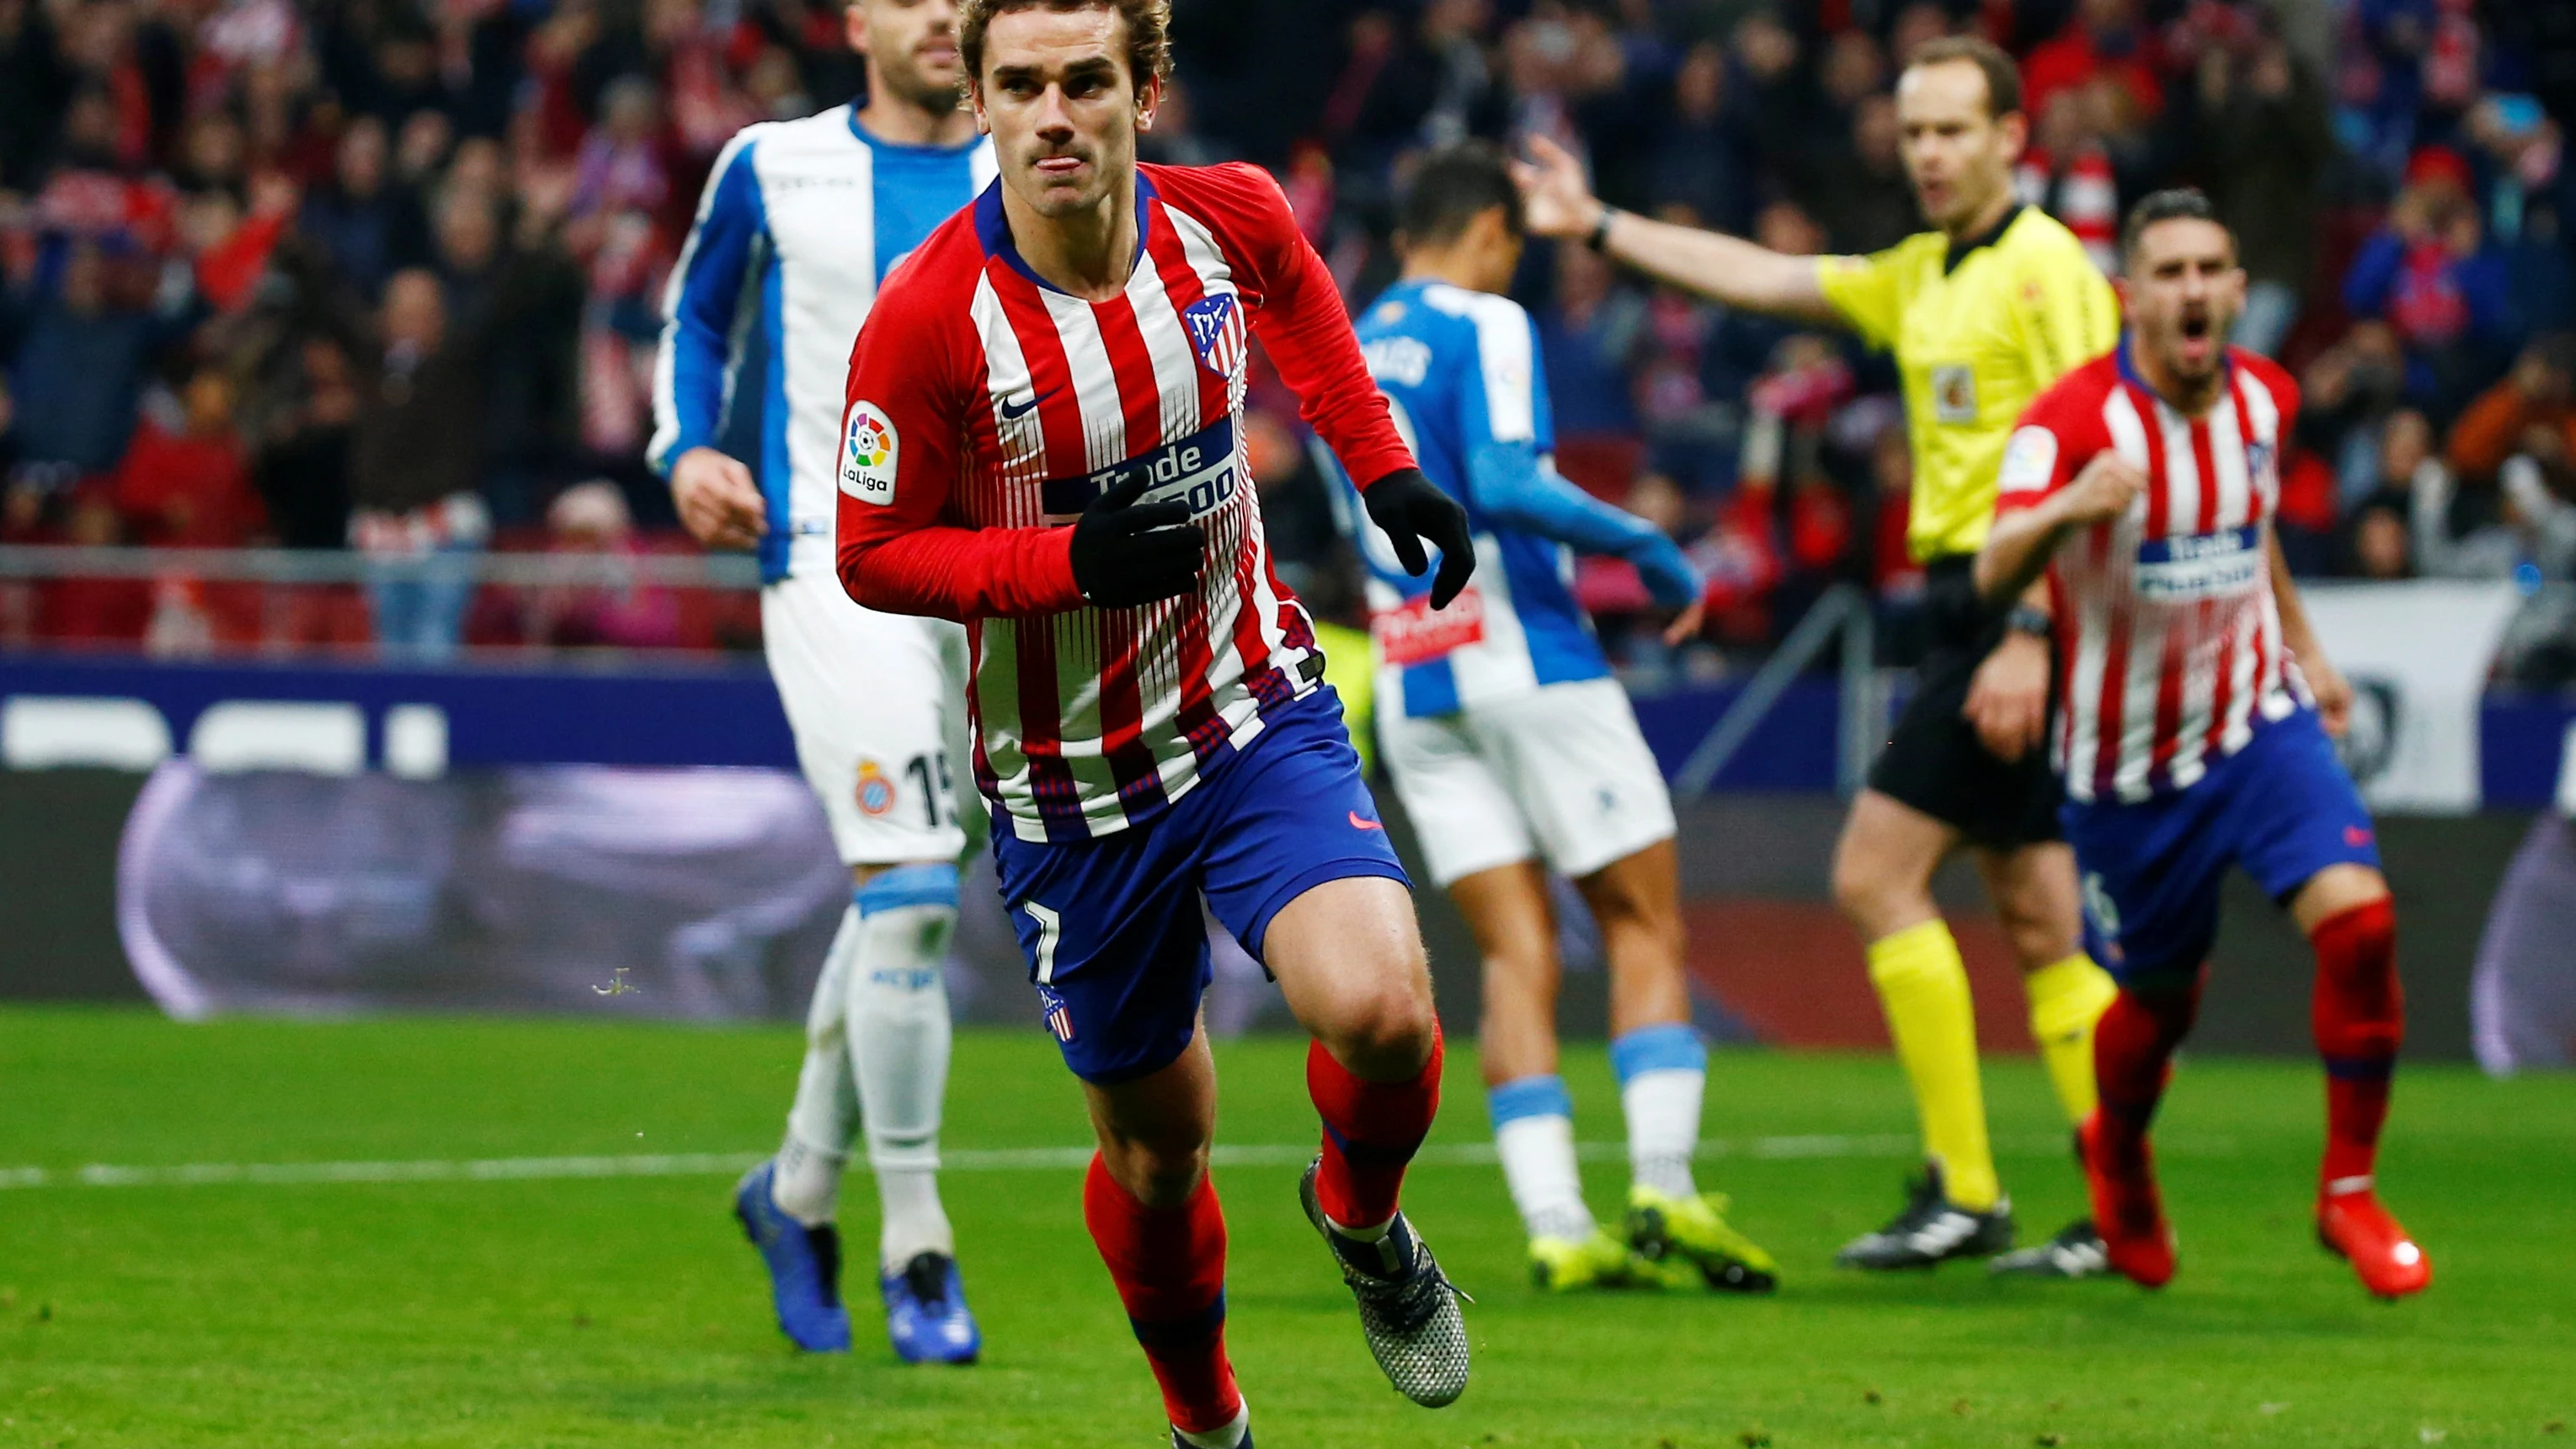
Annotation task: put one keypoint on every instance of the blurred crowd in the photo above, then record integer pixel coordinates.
(385, 274)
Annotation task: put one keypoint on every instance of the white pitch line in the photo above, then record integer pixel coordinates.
(966, 1159)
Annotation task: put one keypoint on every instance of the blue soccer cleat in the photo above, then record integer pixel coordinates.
(926, 1313)
(804, 1266)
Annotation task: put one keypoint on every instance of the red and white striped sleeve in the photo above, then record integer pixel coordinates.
(915, 373)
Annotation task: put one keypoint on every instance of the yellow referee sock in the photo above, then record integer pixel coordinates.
(2066, 998)
(1923, 986)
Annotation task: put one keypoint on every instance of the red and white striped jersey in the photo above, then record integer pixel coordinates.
(2169, 639)
(987, 409)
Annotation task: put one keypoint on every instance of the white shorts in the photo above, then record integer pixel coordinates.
(877, 703)
(1561, 770)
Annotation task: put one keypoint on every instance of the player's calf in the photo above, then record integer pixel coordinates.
(1169, 1265)
(2359, 1021)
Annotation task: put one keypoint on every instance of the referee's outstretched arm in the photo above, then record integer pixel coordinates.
(1730, 269)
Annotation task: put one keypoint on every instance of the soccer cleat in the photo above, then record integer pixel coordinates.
(2354, 1227)
(1408, 1309)
(1563, 1265)
(804, 1266)
(2076, 1252)
(926, 1313)
(1931, 1230)
(2128, 1210)
(1692, 1232)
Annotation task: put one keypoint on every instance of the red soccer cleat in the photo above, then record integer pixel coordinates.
(2354, 1227)
(2127, 1209)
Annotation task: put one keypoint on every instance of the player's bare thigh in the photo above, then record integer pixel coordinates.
(1883, 864)
(2332, 891)
(1507, 909)
(1349, 958)
(1154, 1131)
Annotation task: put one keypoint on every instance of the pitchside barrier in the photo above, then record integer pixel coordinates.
(622, 834)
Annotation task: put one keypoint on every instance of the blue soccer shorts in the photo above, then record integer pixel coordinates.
(2282, 807)
(1111, 927)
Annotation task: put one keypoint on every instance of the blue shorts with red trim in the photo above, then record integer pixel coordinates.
(1116, 944)
(2282, 807)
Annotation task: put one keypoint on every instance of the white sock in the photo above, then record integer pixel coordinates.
(1225, 1438)
(1663, 1074)
(899, 1043)
(1534, 1135)
(824, 1121)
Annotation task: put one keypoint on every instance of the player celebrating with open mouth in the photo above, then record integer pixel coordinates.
(1044, 440)
(2193, 730)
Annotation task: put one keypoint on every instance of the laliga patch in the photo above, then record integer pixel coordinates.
(868, 451)
(2029, 461)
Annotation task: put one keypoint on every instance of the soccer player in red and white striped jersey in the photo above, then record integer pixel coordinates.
(1044, 440)
(2193, 723)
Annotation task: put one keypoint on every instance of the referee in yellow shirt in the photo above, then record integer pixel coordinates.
(1983, 314)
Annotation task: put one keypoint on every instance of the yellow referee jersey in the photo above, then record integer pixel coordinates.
(1979, 329)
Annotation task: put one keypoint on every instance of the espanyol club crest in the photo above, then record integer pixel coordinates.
(1216, 330)
(876, 789)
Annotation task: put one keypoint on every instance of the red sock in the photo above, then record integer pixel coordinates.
(2359, 1016)
(1370, 1132)
(1169, 1265)
(2133, 1047)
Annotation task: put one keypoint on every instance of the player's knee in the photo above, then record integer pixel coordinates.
(2360, 1007)
(1385, 1028)
(1865, 894)
(1160, 1172)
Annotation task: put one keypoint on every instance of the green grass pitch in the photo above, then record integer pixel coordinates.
(625, 1310)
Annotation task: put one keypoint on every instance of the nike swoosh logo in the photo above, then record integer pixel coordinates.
(1013, 412)
(1359, 824)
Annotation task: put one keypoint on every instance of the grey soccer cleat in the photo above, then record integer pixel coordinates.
(1408, 1308)
(2076, 1252)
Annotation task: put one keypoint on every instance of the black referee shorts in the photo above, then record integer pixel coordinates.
(1934, 761)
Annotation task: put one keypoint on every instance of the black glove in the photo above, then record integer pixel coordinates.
(1412, 509)
(1126, 554)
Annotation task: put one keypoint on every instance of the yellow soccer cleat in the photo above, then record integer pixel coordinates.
(1565, 1265)
(1691, 1232)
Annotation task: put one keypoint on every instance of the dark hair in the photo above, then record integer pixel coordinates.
(1149, 32)
(1452, 187)
(2003, 78)
(2175, 203)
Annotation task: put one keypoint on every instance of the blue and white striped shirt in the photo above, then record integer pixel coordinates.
(800, 223)
(1462, 379)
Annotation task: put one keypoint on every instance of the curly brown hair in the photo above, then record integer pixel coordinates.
(1149, 32)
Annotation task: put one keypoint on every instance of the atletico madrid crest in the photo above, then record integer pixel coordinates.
(1058, 1019)
(1216, 330)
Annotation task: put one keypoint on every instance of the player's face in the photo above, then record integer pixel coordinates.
(1957, 154)
(1063, 111)
(911, 45)
(2183, 291)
